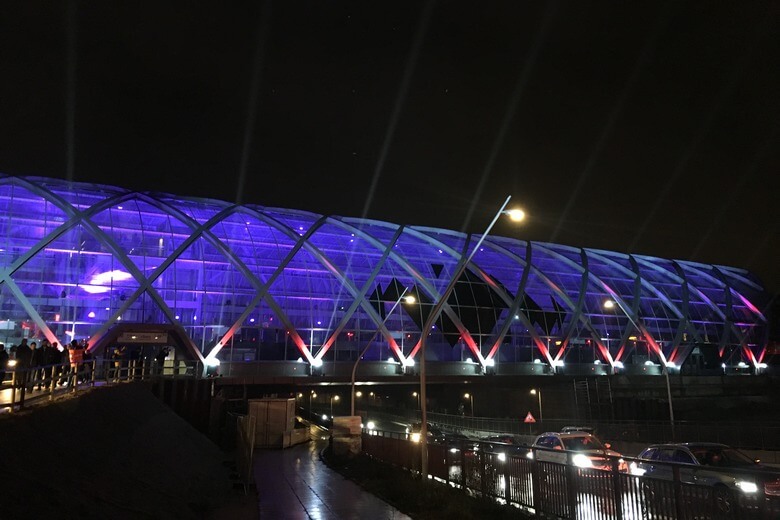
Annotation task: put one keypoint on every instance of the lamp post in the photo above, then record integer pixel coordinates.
(470, 397)
(610, 304)
(516, 215)
(538, 393)
(409, 299)
(332, 398)
(312, 395)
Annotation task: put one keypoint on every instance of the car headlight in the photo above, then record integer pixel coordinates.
(415, 437)
(371, 425)
(636, 470)
(582, 461)
(453, 450)
(530, 455)
(502, 457)
(747, 486)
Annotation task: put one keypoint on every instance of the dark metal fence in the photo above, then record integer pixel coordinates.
(564, 490)
(49, 380)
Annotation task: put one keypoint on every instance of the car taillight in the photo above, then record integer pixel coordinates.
(772, 488)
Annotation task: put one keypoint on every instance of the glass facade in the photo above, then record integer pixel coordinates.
(278, 284)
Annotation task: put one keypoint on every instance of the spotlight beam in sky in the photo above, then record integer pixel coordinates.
(509, 113)
(411, 62)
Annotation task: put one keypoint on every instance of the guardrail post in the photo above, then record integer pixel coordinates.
(571, 485)
(617, 488)
(677, 492)
(446, 464)
(13, 389)
(23, 391)
(463, 464)
(482, 472)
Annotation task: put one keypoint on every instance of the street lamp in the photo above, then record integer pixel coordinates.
(516, 215)
(538, 393)
(417, 397)
(470, 397)
(410, 299)
(312, 395)
(610, 304)
(333, 398)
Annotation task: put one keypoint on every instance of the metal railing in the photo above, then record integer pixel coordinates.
(515, 474)
(22, 384)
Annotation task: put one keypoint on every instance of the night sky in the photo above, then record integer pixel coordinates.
(642, 127)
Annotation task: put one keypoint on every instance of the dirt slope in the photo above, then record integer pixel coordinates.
(113, 452)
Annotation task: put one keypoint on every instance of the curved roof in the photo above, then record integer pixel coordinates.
(78, 257)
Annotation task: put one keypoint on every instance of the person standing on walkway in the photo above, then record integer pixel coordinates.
(36, 364)
(87, 370)
(64, 365)
(159, 360)
(3, 362)
(118, 356)
(51, 358)
(23, 360)
(76, 358)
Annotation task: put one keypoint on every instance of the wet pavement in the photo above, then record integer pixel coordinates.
(295, 484)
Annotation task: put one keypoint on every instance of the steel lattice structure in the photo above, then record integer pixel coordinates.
(282, 284)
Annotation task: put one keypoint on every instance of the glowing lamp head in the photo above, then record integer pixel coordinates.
(609, 304)
(410, 299)
(516, 215)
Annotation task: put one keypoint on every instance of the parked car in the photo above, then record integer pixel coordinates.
(590, 452)
(435, 435)
(502, 445)
(457, 442)
(728, 471)
(587, 429)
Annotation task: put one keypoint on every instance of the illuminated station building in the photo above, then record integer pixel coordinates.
(245, 283)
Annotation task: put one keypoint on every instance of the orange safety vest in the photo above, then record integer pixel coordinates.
(76, 356)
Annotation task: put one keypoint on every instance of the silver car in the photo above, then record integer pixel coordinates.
(728, 471)
(588, 450)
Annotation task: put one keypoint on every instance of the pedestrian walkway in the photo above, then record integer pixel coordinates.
(295, 484)
(8, 396)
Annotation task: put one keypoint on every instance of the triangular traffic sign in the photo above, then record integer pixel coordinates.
(529, 418)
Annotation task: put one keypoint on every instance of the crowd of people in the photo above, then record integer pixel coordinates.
(46, 364)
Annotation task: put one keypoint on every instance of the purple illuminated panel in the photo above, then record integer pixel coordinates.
(274, 284)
